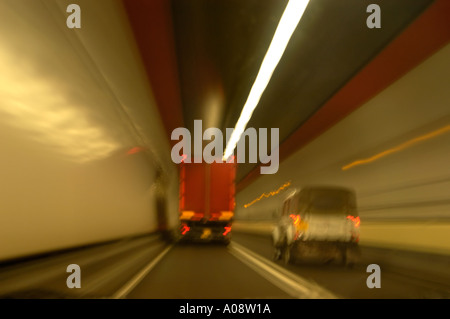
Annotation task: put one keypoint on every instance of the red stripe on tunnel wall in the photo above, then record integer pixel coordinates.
(151, 22)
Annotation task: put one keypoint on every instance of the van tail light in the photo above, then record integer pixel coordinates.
(356, 221)
(355, 232)
(295, 218)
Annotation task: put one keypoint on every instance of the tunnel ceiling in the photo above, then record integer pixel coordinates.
(202, 57)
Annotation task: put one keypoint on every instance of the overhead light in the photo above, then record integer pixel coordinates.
(288, 22)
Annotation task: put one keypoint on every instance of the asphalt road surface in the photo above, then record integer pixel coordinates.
(146, 267)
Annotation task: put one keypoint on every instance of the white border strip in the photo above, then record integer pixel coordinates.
(130, 285)
(287, 281)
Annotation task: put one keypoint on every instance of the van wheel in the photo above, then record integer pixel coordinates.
(347, 260)
(349, 263)
(286, 255)
(276, 254)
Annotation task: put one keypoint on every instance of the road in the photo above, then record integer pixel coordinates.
(146, 267)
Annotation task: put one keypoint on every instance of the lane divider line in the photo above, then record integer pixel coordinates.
(287, 281)
(130, 285)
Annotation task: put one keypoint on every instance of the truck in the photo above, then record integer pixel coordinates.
(206, 201)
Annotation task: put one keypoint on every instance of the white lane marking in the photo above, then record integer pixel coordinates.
(287, 281)
(130, 285)
(37, 272)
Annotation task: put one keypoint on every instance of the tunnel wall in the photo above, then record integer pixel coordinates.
(404, 191)
(81, 138)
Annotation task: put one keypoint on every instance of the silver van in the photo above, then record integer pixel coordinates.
(318, 223)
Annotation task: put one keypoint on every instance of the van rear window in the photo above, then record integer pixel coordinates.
(325, 201)
(328, 200)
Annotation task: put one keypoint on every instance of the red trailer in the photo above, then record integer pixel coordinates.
(207, 201)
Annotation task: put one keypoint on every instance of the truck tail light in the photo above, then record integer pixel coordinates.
(227, 230)
(226, 215)
(184, 229)
(186, 215)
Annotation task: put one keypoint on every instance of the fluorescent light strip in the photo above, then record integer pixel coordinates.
(286, 27)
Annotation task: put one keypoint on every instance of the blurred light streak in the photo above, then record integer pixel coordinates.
(286, 27)
(264, 195)
(398, 148)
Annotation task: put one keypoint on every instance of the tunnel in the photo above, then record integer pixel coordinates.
(116, 115)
